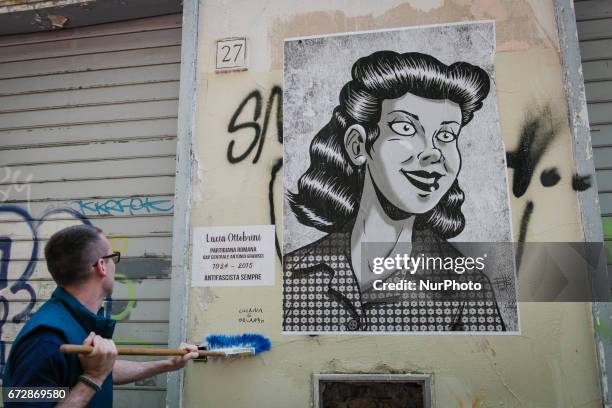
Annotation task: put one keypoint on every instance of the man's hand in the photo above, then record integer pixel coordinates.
(98, 364)
(181, 361)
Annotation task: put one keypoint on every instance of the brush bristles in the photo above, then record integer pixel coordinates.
(239, 352)
(256, 342)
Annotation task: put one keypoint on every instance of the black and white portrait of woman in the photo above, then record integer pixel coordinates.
(382, 175)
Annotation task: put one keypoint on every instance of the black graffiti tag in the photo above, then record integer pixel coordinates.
(258, 138)
(537, 134)
(259, 131)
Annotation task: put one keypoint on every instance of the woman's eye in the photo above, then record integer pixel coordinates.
(403, 128)
(446, 137)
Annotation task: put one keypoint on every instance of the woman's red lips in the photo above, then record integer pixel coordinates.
(423, 180)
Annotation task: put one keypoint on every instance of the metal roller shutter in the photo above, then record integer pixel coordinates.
(88, 122)
(594, 18)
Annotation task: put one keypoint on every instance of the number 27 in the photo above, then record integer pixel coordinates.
(228, 49)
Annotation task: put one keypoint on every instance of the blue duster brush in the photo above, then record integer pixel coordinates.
(243, 345)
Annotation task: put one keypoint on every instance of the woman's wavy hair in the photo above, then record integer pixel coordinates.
(329, 191)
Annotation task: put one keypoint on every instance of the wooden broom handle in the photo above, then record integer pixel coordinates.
(139, 351)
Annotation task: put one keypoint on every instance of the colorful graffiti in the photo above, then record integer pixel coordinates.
(124, 206)
(131, 302)
(22, 282)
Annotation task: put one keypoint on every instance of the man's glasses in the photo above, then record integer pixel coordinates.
(116, 256)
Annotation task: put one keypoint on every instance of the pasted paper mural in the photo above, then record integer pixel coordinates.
(394, 163)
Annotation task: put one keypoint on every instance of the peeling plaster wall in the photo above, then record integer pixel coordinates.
(19, 6)
(551, 364)
(27, 16)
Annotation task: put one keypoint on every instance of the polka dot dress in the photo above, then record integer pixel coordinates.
(321, 294)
